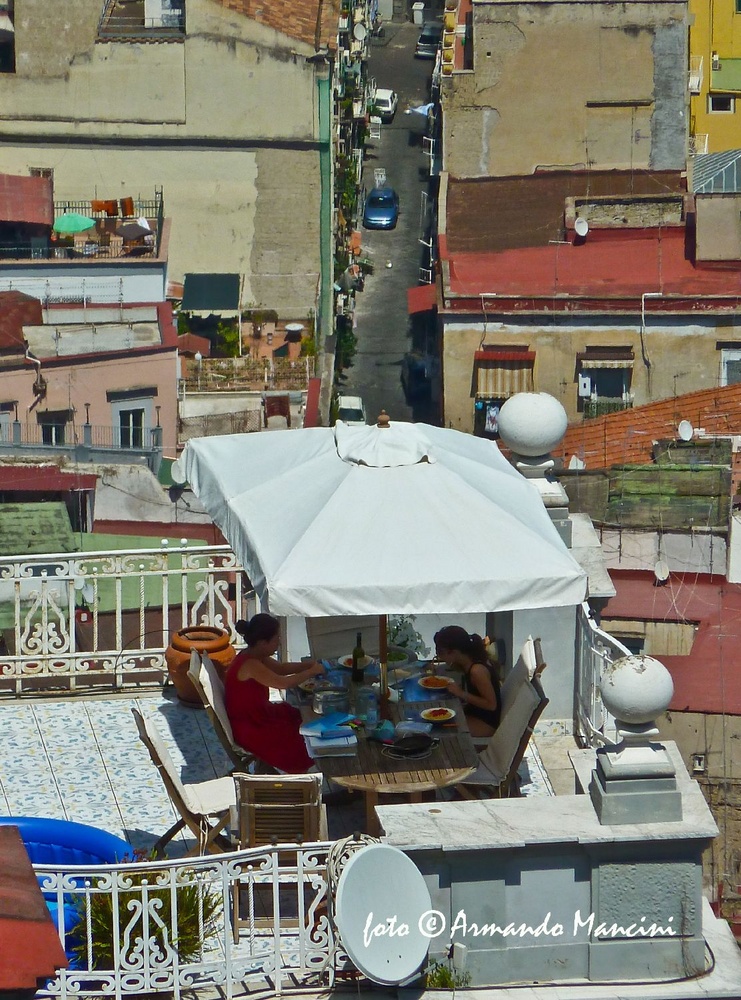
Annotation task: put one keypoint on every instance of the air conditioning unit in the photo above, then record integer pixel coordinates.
(585, 387)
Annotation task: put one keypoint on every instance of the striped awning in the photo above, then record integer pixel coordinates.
(605, 358)
(500, 374)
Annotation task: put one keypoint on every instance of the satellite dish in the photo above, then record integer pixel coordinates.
(581, 227)
(381, 896)
(685, 430)
(661, 571)
(359, 32)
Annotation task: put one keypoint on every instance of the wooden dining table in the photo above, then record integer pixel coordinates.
(374, 773)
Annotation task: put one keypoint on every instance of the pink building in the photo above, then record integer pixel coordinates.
(99, 381)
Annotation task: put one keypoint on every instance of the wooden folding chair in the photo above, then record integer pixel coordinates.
(284, 809)
(210, 687)
(204, 807)
(523, 702)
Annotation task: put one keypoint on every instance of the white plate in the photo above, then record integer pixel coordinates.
(346, 661)
(437, 715)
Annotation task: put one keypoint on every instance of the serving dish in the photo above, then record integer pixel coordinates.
(437, 715)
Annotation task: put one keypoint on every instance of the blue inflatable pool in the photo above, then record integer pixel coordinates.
(61, 842)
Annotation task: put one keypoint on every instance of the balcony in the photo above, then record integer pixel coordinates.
(695, 75)
(83, 442)
(102, 242)
(698, 144)
(142, 21)
(601, 406)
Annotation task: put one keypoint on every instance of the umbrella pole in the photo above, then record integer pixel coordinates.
(383, 658)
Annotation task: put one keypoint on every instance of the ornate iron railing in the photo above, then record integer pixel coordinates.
(140, 928)
(103, 619)
(594, 650)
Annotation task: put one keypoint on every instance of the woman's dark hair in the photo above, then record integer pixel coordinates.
(457, 639)
(259, 628)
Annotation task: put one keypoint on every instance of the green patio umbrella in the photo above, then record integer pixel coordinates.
(72, 222)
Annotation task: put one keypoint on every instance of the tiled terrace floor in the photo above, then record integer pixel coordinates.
(82, 760)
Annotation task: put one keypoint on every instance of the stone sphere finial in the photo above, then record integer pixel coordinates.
(532, 423)
(636, 689)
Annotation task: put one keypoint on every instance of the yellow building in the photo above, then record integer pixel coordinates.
(715, 75)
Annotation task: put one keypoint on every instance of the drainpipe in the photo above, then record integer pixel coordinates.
(644, 351)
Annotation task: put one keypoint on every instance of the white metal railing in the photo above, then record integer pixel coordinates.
(140, 928)
(698, 144)
(695, 74)
(594, 650)
(104, 618)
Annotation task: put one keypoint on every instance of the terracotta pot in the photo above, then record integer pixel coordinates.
(204, 638)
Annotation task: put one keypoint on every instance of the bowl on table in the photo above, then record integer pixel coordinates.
(328, 700)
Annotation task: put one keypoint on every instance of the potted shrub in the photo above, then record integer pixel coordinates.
(195, 914)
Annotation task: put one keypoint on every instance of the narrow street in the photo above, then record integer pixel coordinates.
(382, 322)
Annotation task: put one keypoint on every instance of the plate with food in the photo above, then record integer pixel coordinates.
(434, 683)
(437, 715)
(312, 684)
(346, 661)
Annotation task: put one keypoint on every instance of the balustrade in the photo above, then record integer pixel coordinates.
(145, 928)
(595, 649)
(103, 619)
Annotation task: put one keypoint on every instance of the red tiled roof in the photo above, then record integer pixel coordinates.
(191, 343)
(26, 199)
(613, 266)
(42, 479)
(627, 437)
(311, 21)
(16, 311)
(709, 679)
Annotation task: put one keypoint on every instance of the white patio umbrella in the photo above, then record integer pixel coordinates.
(407, 519)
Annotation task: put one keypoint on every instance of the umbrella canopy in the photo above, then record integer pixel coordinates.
(408, 519)
(72, 222)
(133, 230)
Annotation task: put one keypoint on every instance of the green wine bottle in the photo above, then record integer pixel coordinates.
(358, 660)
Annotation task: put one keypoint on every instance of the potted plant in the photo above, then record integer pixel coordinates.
(177, 921)
(404, 641)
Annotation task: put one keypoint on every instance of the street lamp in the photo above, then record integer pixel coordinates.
(199, 359)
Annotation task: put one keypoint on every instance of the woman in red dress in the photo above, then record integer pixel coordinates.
(267, 729)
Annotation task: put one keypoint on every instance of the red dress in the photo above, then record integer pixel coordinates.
(267, 729)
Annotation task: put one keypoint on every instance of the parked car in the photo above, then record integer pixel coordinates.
(385, 104)
(351, 410)
(381, 209)
(429, 40)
